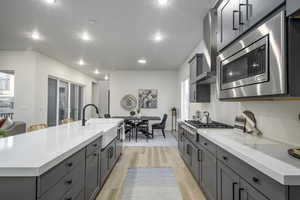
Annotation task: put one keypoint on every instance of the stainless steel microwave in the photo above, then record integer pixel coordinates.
(255, 65)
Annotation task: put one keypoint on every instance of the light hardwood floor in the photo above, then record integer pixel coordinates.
(134, 157)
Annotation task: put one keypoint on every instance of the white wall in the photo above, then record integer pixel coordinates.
(31, 88)
(128, 82)
(48, 67)
(277, 120)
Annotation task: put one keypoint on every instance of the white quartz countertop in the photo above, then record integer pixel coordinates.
(34, 153)
(267, 156)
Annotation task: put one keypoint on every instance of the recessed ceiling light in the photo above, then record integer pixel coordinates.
(106, 77)
(142, 61)
(81, 62)
(85, 36)
(50, 1)
(96, 71)
(163, 3)
(158, 37)
(35, 35)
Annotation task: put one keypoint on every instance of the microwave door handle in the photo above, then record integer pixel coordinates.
(233, 20)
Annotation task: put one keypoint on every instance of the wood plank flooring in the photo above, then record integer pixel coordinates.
(150, 157)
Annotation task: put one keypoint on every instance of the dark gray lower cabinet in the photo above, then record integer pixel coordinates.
(195, 164)
(228, 183)
(92, 183)
(222, 176)
(247, 192)
(209, 170)
(13, 188)
(104, 165)
(119, 144)
(180, 140)
(108, 160)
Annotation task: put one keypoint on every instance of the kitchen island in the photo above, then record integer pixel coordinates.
(63, 162)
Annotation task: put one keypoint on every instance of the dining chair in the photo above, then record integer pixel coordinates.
(129, 127)
(143, 127)
(160, 126)
(66, 121)
(36, 127)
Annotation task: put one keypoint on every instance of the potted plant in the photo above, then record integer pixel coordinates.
(3, 133)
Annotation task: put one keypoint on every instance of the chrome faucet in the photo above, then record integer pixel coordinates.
(83, 112)
(206, 114)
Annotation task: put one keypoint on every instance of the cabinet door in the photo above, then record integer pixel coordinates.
(228, 18)
(180, 140)
(193, 92)
(112, 155)
(196, 162)
(187, 156)
(228, 183)
(247, 192)
(119, 145)
(193, 69)
(92, 183)
(104, 164)
(209, 171)
(252, 11)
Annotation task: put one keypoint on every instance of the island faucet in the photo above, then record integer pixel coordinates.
(83, 112)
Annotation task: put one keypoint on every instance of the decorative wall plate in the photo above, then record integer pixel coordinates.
(129, 102)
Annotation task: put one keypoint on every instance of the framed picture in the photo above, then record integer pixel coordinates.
(148, 98)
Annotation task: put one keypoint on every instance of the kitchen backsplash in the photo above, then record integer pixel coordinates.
(278, 120)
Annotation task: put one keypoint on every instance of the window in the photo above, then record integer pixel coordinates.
(7, 93)
(185, 94)
(64, 101)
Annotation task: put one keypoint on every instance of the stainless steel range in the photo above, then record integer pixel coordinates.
(191, 127)
(213, 124)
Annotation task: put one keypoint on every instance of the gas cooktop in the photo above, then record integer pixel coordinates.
(213, 124)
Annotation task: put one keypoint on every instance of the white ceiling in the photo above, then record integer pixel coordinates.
(121, 35)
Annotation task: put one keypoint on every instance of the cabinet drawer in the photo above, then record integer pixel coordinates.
(50, 178)
(208, 145)
(93, 146)
(76, 192)
(73, 180)
(258, 180)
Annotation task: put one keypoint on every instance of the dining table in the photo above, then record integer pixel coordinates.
(136, 120)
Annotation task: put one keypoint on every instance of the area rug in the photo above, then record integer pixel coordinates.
(157, 141)
(150, 184)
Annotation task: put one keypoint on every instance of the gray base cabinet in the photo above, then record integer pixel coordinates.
(209, 179)
(92, 183)
(108, 159)
(223, 176)
(228, 183)
(12, 188)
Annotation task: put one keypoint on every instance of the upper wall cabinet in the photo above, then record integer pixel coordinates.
(292, 6)
(199, 93)
(228, 27)
(196, 67)
(237, 16)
